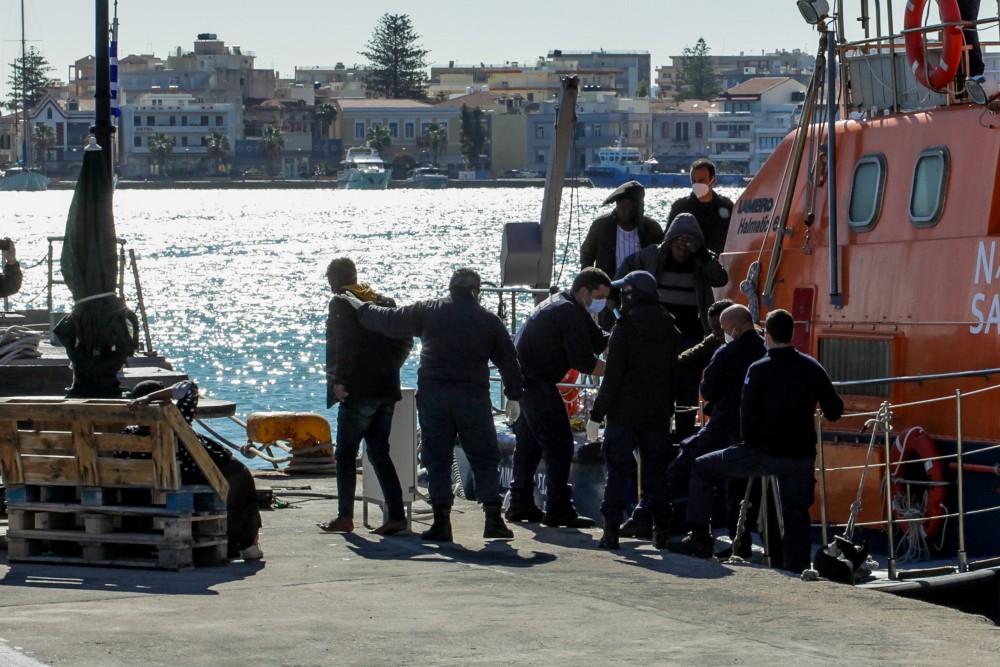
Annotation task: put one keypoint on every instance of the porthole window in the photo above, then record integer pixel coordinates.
(930, 181)
(867, 190)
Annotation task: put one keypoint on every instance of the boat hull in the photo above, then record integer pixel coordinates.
(426, 183)
(26, 182)
(364, 181)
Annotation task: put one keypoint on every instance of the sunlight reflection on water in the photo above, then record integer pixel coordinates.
(233, 280)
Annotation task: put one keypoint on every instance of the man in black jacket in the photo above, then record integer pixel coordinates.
(560, 334)
(616, 235)
(459, 338)
(712, 210)
(362, 375)
(637, 396)
(10, 277)
(779, 438)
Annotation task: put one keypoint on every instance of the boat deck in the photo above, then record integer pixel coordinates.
(547, 597)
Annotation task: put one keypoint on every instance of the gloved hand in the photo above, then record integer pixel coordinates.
(354, 301)
(593, 429)
(513, 411)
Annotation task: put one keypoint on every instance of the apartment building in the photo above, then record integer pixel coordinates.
(733, 70)
(407, 121)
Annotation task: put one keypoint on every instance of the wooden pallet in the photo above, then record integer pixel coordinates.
(74, 495)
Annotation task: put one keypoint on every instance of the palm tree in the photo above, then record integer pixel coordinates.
(43, 138)
(272, 143)
(325, 114)
(378, 137)
(436, 139)
(160, 147)
(217, 145)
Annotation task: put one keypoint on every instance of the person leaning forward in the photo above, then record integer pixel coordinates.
(779, 439)
(362, 370)
(459, 338)
(560, 334)
(616, 235)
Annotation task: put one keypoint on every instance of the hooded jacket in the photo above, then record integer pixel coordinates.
(638, 386)
(708, 271)
(10, 279)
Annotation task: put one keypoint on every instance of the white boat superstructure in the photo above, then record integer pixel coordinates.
(363, 169)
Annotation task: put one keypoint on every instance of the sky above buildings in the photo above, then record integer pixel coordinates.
(293, 33)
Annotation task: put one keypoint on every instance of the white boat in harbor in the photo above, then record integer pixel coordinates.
(363, 169)
(426, 178)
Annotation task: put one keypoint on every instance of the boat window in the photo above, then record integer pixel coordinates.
(866, 192)
(853, 359)
(930, 178)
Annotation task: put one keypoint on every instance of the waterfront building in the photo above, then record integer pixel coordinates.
(626, 71)
(332, 82)
(295, 120)
(733, 70)
(680, 132)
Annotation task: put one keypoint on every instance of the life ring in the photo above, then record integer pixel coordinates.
(915, 443)
(570, 395)
(916, 45)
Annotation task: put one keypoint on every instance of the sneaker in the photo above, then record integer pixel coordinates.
(698, 545)
(659, 538)
(636, 529)
(527, 513)
(252, 552)
(572, 520)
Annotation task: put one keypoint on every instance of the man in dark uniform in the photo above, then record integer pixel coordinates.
(636, 396)
(722, 387)
(560, 334)
(616, 235)
(779, 438)
(459, 338)
(362, 370)
(10, 278)
(712, 210)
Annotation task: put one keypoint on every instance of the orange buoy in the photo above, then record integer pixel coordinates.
(916, 45)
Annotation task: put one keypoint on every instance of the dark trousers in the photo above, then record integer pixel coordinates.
(679, 472)
(796, 480)
(686, 395)
(619, 445)
(447, 412)
(369, 419)
(543, 430)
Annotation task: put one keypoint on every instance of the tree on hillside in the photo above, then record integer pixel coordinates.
(473, 135)
(696, 78)
(30, 79)
(395, 61)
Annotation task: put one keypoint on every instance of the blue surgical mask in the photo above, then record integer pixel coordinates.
(596, 306)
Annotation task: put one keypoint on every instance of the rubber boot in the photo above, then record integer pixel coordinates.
(440, 530)
(609, 540)
(495, 528)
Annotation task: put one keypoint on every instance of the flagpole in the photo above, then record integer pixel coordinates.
(102, 129)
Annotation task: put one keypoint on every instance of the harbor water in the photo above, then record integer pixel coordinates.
(234, 280)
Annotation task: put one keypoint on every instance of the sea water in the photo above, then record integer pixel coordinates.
(234, 280)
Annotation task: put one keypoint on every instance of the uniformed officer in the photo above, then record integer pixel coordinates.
(712, 210)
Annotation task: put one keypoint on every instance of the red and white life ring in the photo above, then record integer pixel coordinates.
(915, 443)
(916, 45)
(570, 395)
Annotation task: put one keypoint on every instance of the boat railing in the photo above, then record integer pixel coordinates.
(892, 518)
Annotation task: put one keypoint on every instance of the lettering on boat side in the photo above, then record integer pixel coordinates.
(987, 270)
(750, 224)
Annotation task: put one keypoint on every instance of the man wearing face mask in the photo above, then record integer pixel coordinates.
(560, 334)
(616, 235)
(722, 386)
(712, 210)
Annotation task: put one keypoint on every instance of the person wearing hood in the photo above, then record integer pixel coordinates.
(637, 397)
(685, 272)
(712, 210)
(618, 234)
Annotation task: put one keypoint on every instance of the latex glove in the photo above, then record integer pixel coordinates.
(513, 411)
(593, 429)
(354, 301)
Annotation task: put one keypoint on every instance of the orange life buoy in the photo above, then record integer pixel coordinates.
(915, 443)
(570, 395)
(916, 45)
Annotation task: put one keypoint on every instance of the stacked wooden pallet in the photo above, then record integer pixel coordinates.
(80, 490)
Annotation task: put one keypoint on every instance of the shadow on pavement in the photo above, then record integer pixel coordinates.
(410, 547)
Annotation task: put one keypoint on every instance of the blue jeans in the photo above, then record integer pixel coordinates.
(543, 430)
(619, 444)
(447, 412)
(369, 419)
(796, 481)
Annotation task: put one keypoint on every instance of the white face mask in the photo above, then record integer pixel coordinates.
(596, 306)
(729, 338)
(701, 189)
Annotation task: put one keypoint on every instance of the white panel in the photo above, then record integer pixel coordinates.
(402, 449)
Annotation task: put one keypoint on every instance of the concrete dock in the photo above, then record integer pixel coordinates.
(549, 597)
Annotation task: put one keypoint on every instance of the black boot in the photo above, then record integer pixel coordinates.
(440, 530)
(609, 540)
(495, 528)
(659, 538)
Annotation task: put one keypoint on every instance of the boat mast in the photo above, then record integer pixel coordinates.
(26, 140)
(102, 129)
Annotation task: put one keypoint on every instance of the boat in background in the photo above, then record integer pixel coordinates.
(24, 178)
(620, 163)
(18, 179)
(363, 169)
(426, 178)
